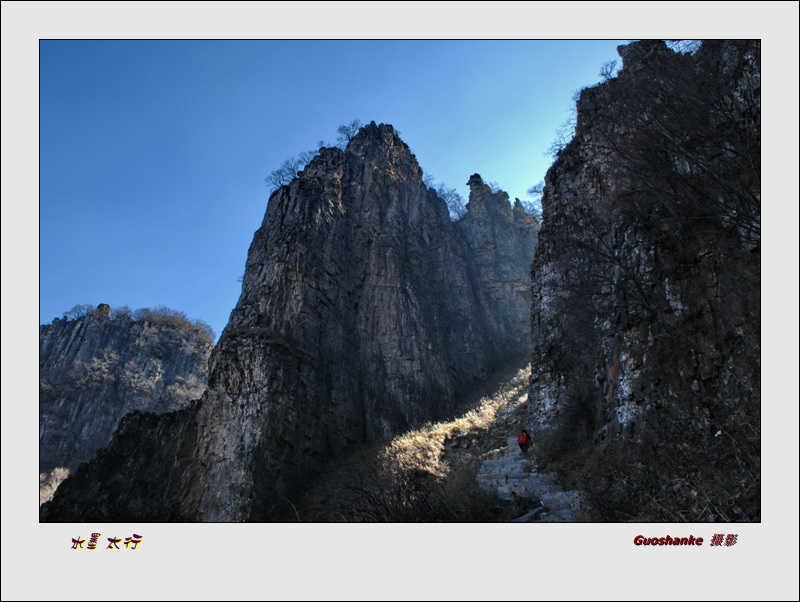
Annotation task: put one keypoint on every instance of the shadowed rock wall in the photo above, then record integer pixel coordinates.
(364, 310)
(646, 288)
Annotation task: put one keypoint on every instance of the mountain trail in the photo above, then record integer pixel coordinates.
(505, 470)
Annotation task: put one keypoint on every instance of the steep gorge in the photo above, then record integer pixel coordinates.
(364, 311)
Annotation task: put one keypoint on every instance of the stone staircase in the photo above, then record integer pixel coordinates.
(514, 476)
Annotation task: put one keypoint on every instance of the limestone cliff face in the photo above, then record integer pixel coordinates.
(364, 310)
(646, 287)
(499, 239)
(95, 369)
(361, 314)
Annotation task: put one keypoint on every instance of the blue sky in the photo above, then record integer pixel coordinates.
(153, 153)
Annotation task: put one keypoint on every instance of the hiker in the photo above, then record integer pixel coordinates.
(525, 442)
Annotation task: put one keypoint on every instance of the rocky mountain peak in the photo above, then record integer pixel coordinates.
(376, 136)
(642, 54)
(483, 202)
(364, 311)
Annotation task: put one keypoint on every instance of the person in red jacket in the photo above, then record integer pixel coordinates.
(525, 442)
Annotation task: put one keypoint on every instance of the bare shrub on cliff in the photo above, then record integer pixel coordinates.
(124, 312)
(205, 329)
(346, 132)
(166, 316)
(290, 167)
(78, 311)
(306, 157)
(565, 131)
(455, 202)
(608, 69)
(564, 134)
(536, 191)
(456, 206)
(534, 206)
(284, 174)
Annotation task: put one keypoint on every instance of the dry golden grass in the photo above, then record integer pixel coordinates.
(427, 474)
(424, 448)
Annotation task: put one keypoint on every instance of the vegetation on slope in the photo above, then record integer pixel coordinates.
(428, 474)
